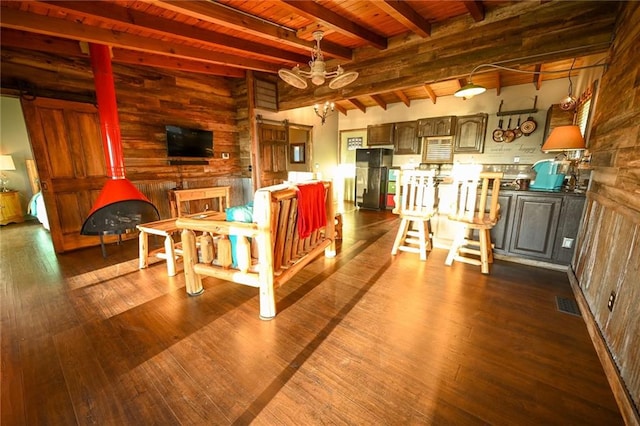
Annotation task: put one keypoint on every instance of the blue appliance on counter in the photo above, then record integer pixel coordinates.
(548, 176)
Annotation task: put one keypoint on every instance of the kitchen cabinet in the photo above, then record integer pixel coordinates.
(568, 227)
(10, 210)
(543, 225)
(535, 223)
(380, 134)
(437, 126)
(405, 138)
(470, 133)
(499, 233)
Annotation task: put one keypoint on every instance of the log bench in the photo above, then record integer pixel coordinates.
(218, 196)
(279, 249)
(165, 228)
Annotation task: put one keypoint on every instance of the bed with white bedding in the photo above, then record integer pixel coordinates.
(37, 209)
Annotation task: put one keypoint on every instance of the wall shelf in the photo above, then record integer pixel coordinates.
(533, 110)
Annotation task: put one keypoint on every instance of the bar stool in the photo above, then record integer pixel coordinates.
(416, 205)
(474, 210)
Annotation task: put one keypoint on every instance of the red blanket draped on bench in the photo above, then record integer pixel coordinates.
(311, 208)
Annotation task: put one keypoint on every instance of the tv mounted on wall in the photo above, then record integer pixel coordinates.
(186, 142)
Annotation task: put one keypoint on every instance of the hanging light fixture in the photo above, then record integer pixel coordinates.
(326, 108)
(470, 89)
(568, 103)
(318, 73)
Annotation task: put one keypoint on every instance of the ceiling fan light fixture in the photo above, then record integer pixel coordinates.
(293, 77)
(469, 91)
(343, 78)
(318, 71)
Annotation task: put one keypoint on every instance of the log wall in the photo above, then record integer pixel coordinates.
(148, 99)
(608, 254)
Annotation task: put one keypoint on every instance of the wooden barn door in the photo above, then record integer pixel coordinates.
(66, 142)
(273, 144)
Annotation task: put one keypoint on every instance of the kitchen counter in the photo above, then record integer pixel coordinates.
(536, 226)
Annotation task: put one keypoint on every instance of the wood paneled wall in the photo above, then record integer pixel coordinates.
(243, 123)
(608, 254)
(148, 99)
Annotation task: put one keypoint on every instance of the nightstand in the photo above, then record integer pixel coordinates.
(10, 210)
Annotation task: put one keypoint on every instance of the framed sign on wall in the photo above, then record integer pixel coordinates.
(350, 140)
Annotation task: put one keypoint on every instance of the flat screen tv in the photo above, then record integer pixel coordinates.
(186, 142)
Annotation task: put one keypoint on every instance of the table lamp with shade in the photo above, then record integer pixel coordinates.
(6, 163)
(564, 138)
(569, 141)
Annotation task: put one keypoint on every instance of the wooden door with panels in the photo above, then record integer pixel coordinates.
(273, 144)
(67, 146)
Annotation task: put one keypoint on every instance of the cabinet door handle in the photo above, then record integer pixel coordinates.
(44, 186)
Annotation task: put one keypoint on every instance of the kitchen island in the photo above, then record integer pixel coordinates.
(535, 227)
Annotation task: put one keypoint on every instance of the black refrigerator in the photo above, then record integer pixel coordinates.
(372, 169)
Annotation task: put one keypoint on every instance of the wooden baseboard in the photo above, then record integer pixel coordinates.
(625, 402)
(531, 262)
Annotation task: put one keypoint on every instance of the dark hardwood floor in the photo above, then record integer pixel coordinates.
(362, 339)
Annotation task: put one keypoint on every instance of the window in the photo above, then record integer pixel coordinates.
(584, 109)
(296, 153)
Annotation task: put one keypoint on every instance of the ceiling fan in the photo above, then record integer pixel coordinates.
(318, 73)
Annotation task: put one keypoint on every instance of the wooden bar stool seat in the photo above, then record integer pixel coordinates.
(416, 205)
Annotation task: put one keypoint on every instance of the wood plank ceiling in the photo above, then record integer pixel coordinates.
(403, 50)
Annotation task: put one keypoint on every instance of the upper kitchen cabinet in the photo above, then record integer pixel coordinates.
(405, 139)
(380, 134)
(437, 126)
(469, 134)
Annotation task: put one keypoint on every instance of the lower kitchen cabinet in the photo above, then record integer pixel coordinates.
(499, 234)
(533, 225)
(568, 227)
(535, 222)
(543, 225)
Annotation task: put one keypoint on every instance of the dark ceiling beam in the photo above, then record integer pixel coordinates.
(475, 9)
(46, 25)
(402, 12)
(225, 16)
(356, 103)
(114, 14)
(378, 100)
(404, 98)
(71, 48)
(342, 24)
(132, 57)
